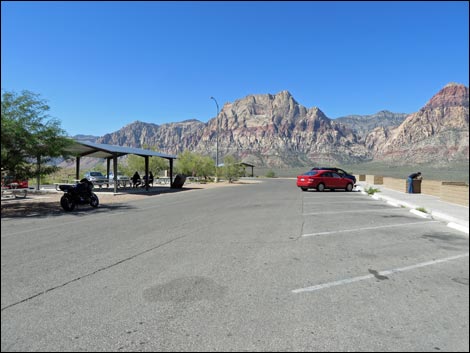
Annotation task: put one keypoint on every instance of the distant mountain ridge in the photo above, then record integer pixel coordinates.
(84, 138)
(172, 138)
(276, 131)
(364, 124)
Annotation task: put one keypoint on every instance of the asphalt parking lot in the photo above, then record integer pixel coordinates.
(260, 267)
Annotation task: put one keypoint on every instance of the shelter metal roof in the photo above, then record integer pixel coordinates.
(99, 150)
(241, 163)
(247, 164)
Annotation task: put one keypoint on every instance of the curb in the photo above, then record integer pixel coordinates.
(447, 218)
(421, 214)
(452, 222)
(458, 227)
(393, 203)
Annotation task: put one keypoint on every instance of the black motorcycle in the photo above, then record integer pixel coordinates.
(78, 194)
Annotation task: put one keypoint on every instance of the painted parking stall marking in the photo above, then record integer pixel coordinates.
(381, 273)
(365, 202)
(350, 211)
(367, 228)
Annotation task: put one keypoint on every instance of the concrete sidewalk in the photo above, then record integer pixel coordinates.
(455, 215)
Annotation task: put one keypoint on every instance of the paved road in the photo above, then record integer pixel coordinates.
(260, 267)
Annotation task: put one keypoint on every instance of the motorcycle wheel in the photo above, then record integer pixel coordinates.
(67, 203)
(94, 201)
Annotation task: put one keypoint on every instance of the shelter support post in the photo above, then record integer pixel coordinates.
(146, 173)
(171, 172)
(108, 161)
(115, 175)
(77, 168)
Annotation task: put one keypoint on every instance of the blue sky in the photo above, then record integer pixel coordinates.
(103, 65)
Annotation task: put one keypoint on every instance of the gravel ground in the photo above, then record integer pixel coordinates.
(48, 202)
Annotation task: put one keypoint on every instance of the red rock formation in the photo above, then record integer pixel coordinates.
(276, 131)
(438, 132)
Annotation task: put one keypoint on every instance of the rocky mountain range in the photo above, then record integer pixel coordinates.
(362, 125)
(436, 134)
(276, 131)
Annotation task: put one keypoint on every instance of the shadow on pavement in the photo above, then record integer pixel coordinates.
(53, 209)
(30, 208)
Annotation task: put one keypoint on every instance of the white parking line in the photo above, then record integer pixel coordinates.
(385, 209)
(340, 196)
(381, 273)
(368, 228)
(340, 202)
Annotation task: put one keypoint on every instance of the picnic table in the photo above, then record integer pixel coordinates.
(162, 180)
(13, 193)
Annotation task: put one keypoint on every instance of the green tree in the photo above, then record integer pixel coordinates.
(137, 163)
(205, 167)
(186, 163)
(30, 138)
(194, 164)
(231, 169)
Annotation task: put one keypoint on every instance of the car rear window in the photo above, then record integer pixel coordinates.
(311, 172)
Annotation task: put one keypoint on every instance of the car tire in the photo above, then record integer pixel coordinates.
(304, 189)
(321, 187)
(349, 187)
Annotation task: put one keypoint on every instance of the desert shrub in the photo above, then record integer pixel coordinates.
(371, 191)
(270, 174)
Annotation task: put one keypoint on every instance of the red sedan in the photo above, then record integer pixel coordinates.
(9, 182)
(323, 179)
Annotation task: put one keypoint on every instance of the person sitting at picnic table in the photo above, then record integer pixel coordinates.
(150, 179)
(136, 180)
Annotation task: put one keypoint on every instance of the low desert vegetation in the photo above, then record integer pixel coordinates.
(371, 190)
(270, 174)
(422, 209)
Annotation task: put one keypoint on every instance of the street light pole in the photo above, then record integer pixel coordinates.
(216, 143)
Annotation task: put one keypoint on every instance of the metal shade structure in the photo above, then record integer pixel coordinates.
(248, 165)
(97, 150)
(242, 164)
